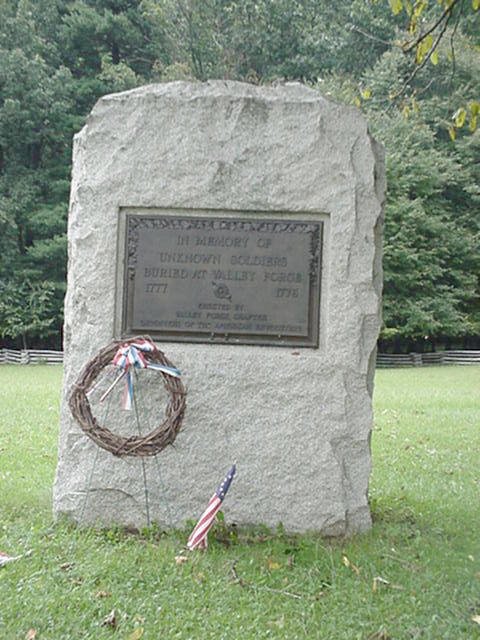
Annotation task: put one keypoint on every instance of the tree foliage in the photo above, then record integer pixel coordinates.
(411, 65)
(26, 310)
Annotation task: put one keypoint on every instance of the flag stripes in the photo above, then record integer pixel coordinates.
(198, 537)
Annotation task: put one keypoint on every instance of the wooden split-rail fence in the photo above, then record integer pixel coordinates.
(37, 356)
(30, 356)
(427, 359)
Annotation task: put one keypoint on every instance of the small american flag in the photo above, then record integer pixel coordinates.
(198, 537)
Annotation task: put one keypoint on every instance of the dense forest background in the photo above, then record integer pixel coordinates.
(57, 57)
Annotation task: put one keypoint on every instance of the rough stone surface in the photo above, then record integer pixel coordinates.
(296, 421)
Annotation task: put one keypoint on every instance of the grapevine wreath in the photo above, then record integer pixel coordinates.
(138, 352)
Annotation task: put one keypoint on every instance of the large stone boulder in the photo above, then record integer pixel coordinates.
(297, 420)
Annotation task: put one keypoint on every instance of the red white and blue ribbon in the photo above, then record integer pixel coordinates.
(132, 356)
(198, 537)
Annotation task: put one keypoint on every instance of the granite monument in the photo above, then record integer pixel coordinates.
(240, 227)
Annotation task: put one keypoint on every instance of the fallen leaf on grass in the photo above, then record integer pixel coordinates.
(378, 580)
(476, 618)
(272, 565)
(350, 565)
(181, 559)
(110, 620)
(103, 594)
(280, 623)
(137, 634)
(31, 634)
(77, 581)
(5, 558)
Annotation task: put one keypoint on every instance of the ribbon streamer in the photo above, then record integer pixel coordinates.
(132, 356)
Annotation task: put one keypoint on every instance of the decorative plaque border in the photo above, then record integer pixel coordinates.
(156, 222)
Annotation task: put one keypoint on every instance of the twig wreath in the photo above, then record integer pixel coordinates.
(138, 352)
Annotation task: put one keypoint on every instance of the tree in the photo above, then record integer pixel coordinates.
(35, 133)
(409, 64)
(261, 40)
(56, 60)
(429, 26)
(432, 232)
(26, 310)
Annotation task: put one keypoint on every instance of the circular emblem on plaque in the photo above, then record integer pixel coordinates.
(221, 291)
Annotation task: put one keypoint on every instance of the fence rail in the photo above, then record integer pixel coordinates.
(30, 356)
(427, 359)
(33, 356)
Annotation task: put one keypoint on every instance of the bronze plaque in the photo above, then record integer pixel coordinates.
(228, 280)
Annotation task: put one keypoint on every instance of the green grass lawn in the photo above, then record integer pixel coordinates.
(415, 575)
